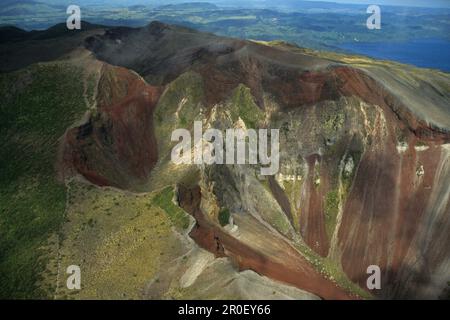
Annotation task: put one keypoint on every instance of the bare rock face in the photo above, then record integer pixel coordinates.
(116, 146)
(364, 170)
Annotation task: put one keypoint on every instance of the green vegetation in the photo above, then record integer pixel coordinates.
(179, 106)
(332, 270)
(119, 239)
(420, 143)
(332, 201)
(38, 104)
(284, 129)
(293, 192)
(224, 216)
(91, 83)
(334, 121)
(294, 24)
(164, 200)
(244, 106)
(183, 97)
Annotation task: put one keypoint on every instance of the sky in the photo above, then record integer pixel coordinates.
(418, 3)
(415, 3)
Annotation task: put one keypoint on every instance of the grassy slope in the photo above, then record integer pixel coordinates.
(119, 239)
(244, 106)
(38, 104)
(164, 200)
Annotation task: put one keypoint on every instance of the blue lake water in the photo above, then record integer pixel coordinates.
(427, 53)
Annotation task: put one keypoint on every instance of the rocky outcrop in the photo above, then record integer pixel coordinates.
(116, 146)
(287, 265)
(371, 166)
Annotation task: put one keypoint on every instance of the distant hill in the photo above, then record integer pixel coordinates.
(189, 6)
(19, 48)
(363, 180)
(14, 34)
(11, 33)
(25, 7)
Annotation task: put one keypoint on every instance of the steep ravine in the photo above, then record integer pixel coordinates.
(363, 181)
(287, 266)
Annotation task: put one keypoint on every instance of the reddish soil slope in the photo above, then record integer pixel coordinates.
(287, 265)
(116, 146)
(396, 210)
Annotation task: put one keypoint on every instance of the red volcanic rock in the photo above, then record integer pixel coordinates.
(396, 210)
(117, 145)
(288, 267)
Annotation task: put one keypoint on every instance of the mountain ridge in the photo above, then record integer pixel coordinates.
(364, 169)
